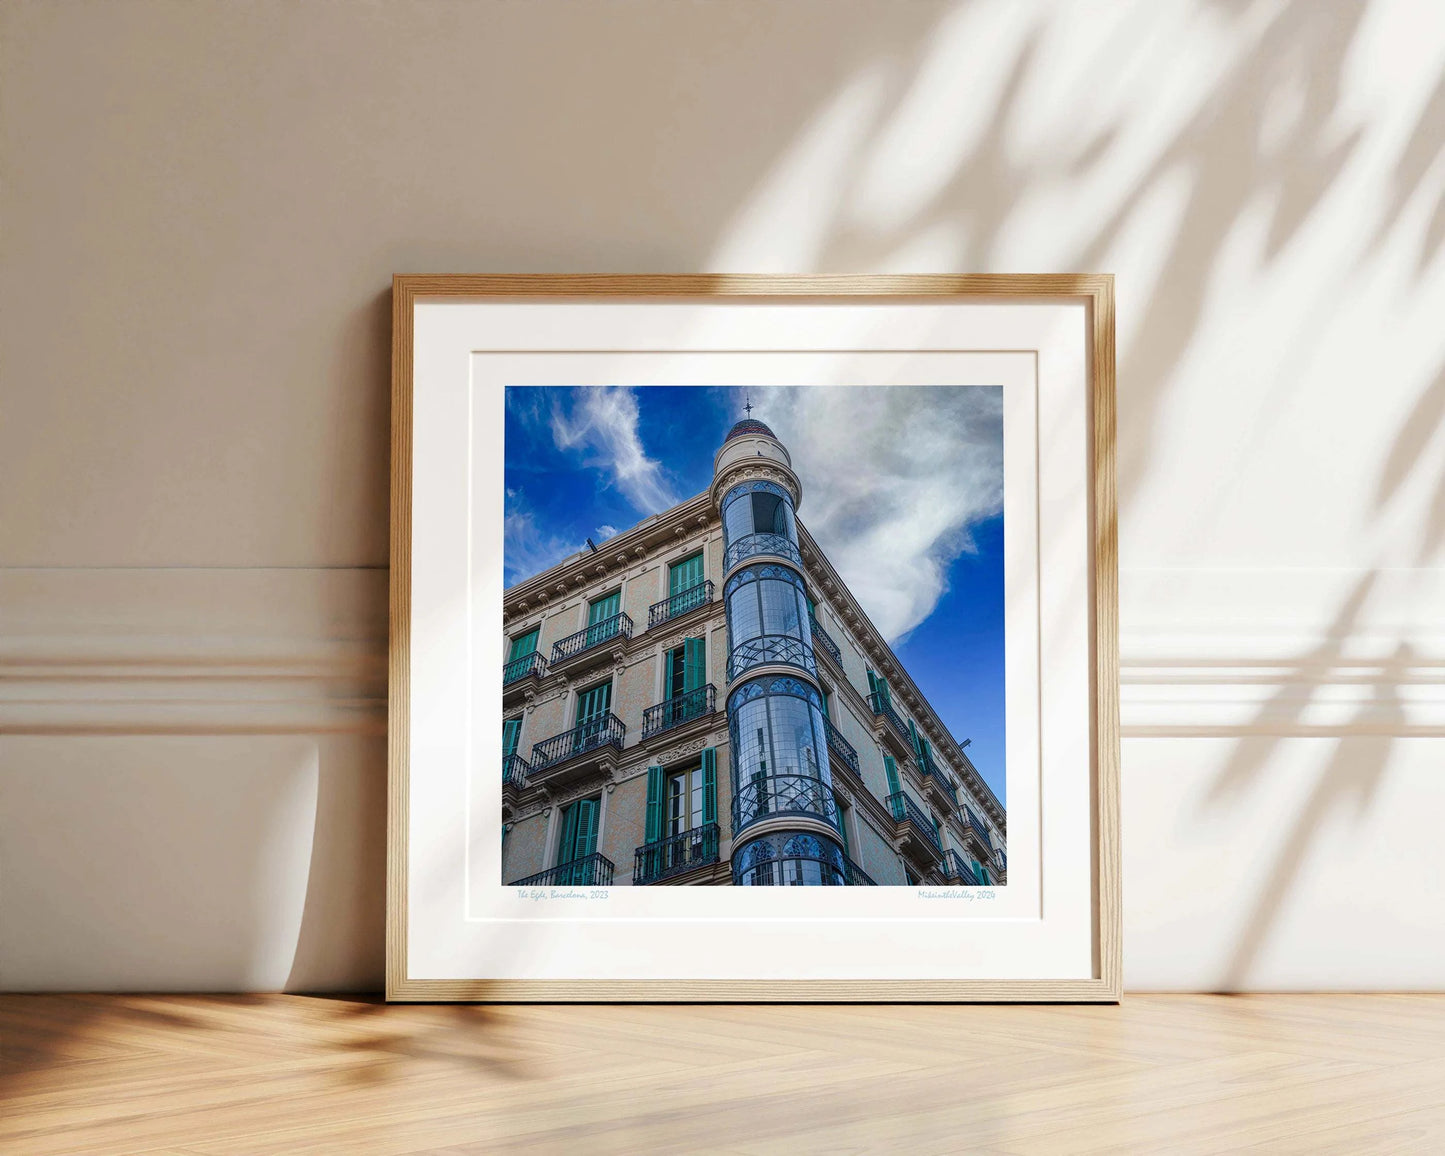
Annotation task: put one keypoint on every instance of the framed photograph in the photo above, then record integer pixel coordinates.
(753, 638)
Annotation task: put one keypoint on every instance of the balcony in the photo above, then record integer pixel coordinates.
(975, 829)
(917, 839)
(515, 770)
(935, 781)
(855, 876)
(771, 545)
(589, 871)
(841, 749)
(587, 748)
(676, 855)
(956, 871)
(891, 727)
(694, 704)
(825, 640)
(771, 650)
(522, 674)
(582, 649)
(770, 795)
(683, 602)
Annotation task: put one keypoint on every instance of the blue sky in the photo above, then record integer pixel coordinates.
(902, 487)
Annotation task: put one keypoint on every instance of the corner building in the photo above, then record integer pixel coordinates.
(702, 701)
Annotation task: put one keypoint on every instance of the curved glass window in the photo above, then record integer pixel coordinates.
(767, 617)
(780, 753)
(758, 508)
(784, 860)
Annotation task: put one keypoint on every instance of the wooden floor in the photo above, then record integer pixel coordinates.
(291, 1074)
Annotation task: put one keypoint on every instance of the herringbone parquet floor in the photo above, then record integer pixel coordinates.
(291, 1074)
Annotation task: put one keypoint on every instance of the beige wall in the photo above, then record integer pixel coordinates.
(524, 848)
(202, 207)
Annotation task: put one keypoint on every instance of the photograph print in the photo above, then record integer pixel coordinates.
(753, 637)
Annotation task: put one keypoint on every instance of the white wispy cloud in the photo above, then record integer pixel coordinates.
(601, 422)
(893, 479)
(604, 532)
(526, 548)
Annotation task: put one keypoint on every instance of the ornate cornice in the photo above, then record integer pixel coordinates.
(614, 557)
(755, 469)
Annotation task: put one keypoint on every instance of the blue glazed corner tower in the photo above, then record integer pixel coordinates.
(785, 822)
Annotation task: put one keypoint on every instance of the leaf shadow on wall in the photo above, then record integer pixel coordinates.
(1234, 154)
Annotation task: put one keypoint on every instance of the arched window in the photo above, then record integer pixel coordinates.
(780, 752)
(767, 615)
(758, 508)
(798, 860)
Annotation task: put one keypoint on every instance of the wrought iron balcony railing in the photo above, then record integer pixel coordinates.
(618, 626)
(767, 795)
(676, 855)
(955, 870)
(841, 748)
(589, 871)
(777, 545)
(979, 829)
(520, 668)
(588, 736)
(883, 708)
(905, 810)
(779, 649)
(679, 604)
(676, 711)
(825, 640)
(855, 876)
(932, 770)
(515, 770)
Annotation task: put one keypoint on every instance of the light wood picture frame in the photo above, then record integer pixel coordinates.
(409, 979)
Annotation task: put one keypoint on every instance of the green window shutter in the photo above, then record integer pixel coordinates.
(511, 732)
(872, 683)
(569, 835)
(892, 770)
(524, 644)
(669, 678)
(595, 702)
(586, 827)
(913, 734)
(827, 706)
(886, 691)
(709, 785)
(684, 575)
(843, 830)
(604, 608)
(694, 664)
(654, 805)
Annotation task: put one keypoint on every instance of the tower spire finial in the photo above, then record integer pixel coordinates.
(748, 409)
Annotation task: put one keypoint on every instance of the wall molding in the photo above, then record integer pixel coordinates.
(1282, 651)
(1206, 653)
(192, 650)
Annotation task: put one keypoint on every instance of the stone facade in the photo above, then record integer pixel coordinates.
(883, 833)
